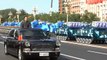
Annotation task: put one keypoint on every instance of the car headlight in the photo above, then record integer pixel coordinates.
(58, 43)
(27, 44)
(26, 49)
(57, 49)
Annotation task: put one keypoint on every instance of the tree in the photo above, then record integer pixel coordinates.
(56, 16)
(74, 17)
(23, 14)
(89, 17)
(5, 13)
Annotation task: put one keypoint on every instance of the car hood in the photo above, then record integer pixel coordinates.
(41, 41)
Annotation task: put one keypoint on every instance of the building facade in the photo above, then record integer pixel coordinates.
(98, 7)
(61, 6)
(72, 6)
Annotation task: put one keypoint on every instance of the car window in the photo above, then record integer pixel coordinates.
(33, 34)
(11, 33)
(16, 34)
(50, 34)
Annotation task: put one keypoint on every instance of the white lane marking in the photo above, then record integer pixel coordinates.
(1, 42)
(101, 53)
(96, 46)
(72, 57)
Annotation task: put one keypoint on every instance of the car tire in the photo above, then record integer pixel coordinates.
(53, 58)
(5, 49)
(20, 55)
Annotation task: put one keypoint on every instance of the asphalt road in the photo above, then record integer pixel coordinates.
(69, 51)
(84, 51)
(10, 57)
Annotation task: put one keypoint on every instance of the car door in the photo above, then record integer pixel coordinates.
(9, 40)
(15, 42)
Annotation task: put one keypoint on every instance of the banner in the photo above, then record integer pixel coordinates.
(94, 1)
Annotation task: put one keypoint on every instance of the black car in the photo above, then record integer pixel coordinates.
(24, 43)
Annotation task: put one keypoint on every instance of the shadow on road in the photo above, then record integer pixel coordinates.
(60, 58)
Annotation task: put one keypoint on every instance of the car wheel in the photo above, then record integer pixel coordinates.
(5, 50)
(20, 55)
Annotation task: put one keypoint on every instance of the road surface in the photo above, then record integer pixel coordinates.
(70, 51)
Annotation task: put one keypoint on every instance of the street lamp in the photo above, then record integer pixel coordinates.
(1, 18)
(66, 9)
(50, 13)
(10, 14)
(18, 13)
(34, 12)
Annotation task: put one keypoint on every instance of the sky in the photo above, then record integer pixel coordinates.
(42, 6)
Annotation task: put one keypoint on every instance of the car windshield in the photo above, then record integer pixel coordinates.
(33, 34)
(50, 34)
(36, 34)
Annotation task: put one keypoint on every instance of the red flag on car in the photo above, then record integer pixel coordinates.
(20, 38)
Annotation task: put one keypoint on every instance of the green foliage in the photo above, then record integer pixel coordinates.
(54, 18)
(31, 18)
(5, 15)
(74, 17)
(10, 19)
(86, 17)
(23, 14)
(89, 17)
